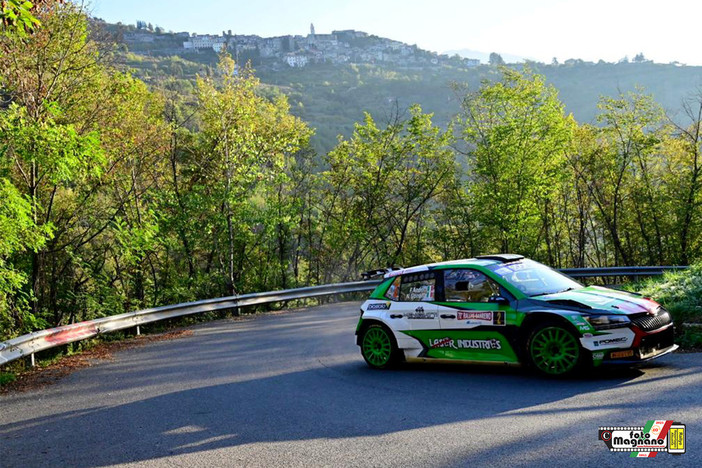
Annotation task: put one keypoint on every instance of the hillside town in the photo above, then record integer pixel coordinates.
(339, 47)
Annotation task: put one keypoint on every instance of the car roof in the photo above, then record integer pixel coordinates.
(483, 261)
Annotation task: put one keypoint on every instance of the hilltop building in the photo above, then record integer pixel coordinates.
(207, 41)
(341, 46)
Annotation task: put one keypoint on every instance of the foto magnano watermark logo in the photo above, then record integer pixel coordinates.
(645, 441)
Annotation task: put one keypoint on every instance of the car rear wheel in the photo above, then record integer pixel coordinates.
(554, 350)
(378, 347)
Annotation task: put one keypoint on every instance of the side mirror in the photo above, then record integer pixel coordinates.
(498, 300)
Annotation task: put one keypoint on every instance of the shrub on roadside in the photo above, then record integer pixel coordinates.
(681, 294)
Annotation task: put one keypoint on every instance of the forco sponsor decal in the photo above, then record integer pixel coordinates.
(621, 339)
(379, 306)
(645, 441)
(465, 344)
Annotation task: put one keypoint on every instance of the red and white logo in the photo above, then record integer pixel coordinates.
(473, 315)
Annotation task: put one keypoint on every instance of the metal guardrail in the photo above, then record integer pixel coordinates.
(27, 345)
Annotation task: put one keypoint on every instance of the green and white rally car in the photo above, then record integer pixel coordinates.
(506, 309)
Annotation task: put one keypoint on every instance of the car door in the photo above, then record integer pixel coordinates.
(472, 323)
(466, 302)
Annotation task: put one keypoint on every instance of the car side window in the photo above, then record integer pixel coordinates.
(463, 285)
(393, 292)
(418, 287)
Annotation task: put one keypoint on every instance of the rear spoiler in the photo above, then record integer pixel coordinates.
(378, 273)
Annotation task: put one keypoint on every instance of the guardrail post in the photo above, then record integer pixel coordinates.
(138, 330)
(31, 360)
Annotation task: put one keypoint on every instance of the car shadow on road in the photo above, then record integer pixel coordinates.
(332, 401)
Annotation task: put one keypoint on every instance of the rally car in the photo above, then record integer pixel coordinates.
(507, 309)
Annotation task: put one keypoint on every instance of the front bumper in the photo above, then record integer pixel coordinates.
(647, 345)
(640, 360)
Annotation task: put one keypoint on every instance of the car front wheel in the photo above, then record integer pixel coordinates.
(554, 350)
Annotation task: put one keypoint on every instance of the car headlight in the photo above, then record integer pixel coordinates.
(602, 322)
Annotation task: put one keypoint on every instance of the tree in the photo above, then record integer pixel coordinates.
(380, 193)
(683, 179)
(80, 144)
(516, 137)
(245, 139)
(624, 178)
(496, 59)
(18, 234)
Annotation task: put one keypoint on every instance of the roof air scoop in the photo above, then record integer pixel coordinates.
(504, 258)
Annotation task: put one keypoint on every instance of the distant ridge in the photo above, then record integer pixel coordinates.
(484, 57)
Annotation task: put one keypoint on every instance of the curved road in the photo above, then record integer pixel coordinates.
(292, 389)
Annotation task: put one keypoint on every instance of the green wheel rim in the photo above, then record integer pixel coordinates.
(377, 347)
(554, 350)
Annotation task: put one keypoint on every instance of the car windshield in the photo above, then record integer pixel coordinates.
(534, 279)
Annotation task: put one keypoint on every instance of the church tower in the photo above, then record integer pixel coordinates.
(311, 29)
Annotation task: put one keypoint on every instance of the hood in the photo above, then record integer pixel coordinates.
(608, 300)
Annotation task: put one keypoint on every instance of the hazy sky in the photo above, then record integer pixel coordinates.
(664, 31)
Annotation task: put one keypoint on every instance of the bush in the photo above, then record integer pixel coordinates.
(680, 293)
(6, 378)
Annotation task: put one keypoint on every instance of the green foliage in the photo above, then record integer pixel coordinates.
(241, 152)
(6, 378)
(517, 137)
(18, 234)
(45, 151)
(17, 18)
(382, 185)
(17, 229)
(680, 293)
(690, 338)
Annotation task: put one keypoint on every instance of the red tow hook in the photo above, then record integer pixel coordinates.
(638, 334)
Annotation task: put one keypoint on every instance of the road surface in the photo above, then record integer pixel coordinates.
(292, 389)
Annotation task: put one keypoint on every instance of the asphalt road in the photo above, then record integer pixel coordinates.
(292, 390)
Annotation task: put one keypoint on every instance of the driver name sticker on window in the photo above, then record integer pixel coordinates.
(424, 292)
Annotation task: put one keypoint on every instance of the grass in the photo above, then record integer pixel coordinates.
(681, 294)
(7, 377)
(690, 338)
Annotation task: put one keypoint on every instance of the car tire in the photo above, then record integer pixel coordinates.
(378, 347)
(554, 350)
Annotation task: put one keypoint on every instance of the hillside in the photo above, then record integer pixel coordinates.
(332, 96)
